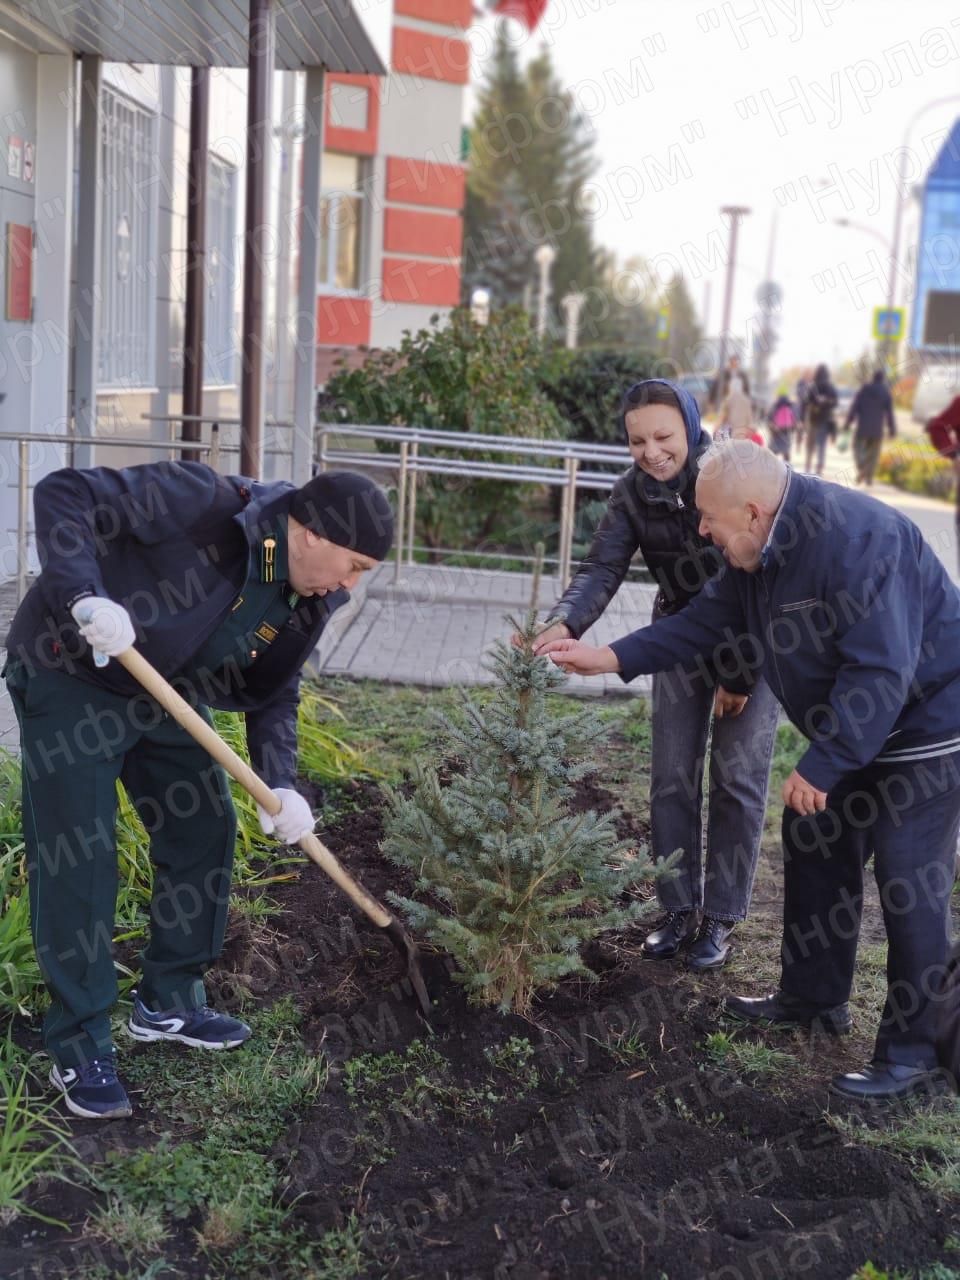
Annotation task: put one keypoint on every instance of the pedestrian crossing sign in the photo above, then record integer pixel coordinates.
(888, 323)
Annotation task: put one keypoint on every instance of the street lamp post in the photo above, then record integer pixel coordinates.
(887, 345)
(571, 305)
(544, 258)
(734, 213)
(480, 306)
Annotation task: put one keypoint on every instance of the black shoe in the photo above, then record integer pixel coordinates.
(782, 1010)
(93, 1091)
(674, 931)
(882, 1081)
(711, 946)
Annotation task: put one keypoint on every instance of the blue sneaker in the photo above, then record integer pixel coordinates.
(201, 1028)
(93, 1091)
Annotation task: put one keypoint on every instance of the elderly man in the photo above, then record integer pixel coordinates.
(225, 586)
(853, 622)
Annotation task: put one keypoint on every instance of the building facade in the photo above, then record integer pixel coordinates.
(935, 319)
(389, 223)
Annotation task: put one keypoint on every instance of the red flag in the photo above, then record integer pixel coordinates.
(529, 12)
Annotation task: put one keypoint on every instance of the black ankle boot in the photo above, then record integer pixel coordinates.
(673, 932)
(711, 946)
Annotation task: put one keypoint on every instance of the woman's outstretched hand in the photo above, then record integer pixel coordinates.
(577, 658)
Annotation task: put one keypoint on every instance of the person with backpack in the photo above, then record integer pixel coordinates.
(822, 400)
(872, 409)
(783, 423)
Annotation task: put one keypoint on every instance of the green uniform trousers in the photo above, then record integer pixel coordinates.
(77, 741)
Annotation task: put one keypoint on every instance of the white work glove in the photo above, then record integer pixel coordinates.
(294, 820)
(105, 625)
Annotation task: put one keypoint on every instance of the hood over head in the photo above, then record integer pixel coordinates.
(638, 395)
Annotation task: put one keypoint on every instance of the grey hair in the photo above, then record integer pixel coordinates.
(739, 464)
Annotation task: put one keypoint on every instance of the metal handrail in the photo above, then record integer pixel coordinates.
(23, 479)
(587, 452)
(216, 422)
(410, 461)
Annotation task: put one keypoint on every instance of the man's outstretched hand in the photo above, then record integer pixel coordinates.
(577, 658)
(801, 796)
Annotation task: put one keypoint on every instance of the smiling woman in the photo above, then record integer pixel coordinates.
(653, 510)
(657, 434)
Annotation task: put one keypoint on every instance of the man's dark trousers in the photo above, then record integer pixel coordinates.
(77, 741)
(906, 816)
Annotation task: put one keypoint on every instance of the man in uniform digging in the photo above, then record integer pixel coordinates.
(853, 622)
(225, 585)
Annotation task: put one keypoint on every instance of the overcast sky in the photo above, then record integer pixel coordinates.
(691, 106)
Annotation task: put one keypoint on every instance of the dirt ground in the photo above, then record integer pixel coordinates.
(598, 1139)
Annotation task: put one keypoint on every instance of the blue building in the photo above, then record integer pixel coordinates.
(935, 323)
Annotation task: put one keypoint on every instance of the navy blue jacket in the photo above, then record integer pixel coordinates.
(171, 542)
(851, 619)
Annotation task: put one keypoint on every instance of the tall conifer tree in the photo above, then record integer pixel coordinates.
(531, 154)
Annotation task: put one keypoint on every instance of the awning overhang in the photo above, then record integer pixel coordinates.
(202, 33)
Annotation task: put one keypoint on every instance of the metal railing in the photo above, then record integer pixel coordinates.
(413, 458)
(26, 442)
(215, 446)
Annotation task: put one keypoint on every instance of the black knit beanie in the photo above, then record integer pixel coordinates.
(348, 509)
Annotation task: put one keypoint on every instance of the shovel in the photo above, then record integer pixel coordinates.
(240, 771)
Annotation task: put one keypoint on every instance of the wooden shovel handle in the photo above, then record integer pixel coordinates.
(240, 771)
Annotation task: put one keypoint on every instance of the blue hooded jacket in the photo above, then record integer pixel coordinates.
(850, 618)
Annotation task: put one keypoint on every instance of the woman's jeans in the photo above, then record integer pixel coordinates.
(740, 754)
(817, 437)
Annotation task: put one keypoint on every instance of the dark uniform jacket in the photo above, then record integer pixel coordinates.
(850, 618)
(172, 542)
(872, 409)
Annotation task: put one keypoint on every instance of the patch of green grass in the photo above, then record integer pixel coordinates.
(131, 1229)
(34, 1144)
(788, 747)
(241, 1104)
(749, 1058)
(869, 984)
(719, 1046)
(341, 1253)
(20, 981)
(633, 722)
(391, 724)
(245, 1097)
(935, 1271)
(626, 1047)
(928, 1136)
(256, 907)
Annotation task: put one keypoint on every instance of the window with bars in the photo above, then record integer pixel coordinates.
(341, 222)
(128, 221)
(220, 337)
